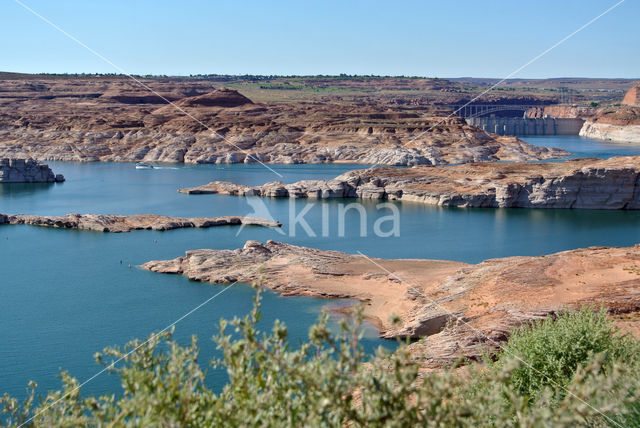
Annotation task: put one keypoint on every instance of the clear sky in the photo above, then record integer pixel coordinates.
(446, 38)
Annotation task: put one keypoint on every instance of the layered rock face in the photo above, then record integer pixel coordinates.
(121, 223)
(608, 132)
(27, 171)
(461, 309)
(620, 124)
(582, 183)
(105, 120)
(617, 124)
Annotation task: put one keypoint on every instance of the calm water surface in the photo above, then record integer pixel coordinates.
(66, 294)
(581, 147)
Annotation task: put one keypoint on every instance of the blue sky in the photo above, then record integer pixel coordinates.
(451, 38)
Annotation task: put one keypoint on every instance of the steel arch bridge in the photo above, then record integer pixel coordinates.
(477, 110)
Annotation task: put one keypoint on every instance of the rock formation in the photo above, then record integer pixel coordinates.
(617, 123)
(460, 309)
(632, 97)
(27, 171)
(293, 270)
(614, 124)
(562, 111)
(581, 183)
(217, 98)
(122, 223)
(102, 119)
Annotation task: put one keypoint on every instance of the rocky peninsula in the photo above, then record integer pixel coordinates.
(27, 171)
(581, 183)
(457, 308)
(122, 223)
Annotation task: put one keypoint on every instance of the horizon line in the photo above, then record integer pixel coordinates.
(275, 76)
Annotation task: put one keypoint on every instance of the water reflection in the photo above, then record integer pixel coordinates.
(16, 190)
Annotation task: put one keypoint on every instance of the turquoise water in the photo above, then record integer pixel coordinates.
(581, 147)
(67, 294)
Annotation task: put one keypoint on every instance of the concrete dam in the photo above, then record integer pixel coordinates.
(527, 126)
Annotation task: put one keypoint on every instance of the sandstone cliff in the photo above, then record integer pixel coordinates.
(617, 123)
(614, 124)
(122, 223)
(460, 309)
(27, 171)
(581, 183)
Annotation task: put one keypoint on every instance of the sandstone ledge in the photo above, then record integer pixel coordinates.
(581, 183)
(458, 309)
(122, 223)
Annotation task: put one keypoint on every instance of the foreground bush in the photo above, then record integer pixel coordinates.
(555, 348)
(588, 378)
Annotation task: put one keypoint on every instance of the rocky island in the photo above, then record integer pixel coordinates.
(581, 183)
(27, 171)
(460, 308)
(123, 223)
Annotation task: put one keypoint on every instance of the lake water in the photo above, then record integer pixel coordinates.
(581, 147)
(66, 294)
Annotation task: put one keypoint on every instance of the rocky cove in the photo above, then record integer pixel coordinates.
(579, 184)
(459, 279)
(78, 279)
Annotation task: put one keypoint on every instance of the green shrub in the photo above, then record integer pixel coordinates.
(553, 349)
(329, 382)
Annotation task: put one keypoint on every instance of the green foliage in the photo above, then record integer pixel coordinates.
(553, 349)
(284, 86)
(594, 104)
(328, 382)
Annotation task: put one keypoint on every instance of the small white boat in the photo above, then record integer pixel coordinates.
(142, 165)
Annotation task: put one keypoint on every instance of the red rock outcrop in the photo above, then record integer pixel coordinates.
(217, 98)
(632, 97)
(459, 309)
